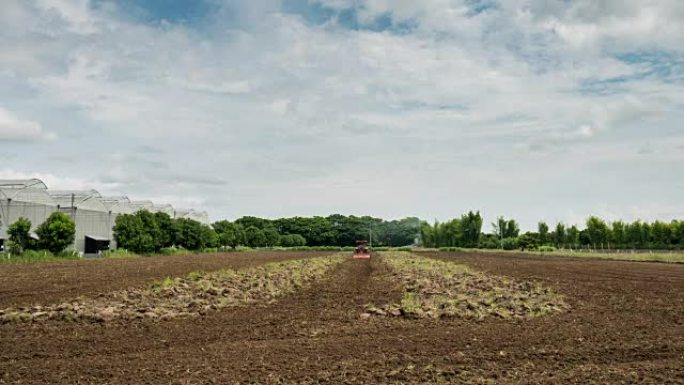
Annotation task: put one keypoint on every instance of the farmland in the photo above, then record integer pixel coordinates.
(398, 318)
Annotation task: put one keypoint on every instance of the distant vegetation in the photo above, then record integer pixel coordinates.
(157, 233)
(597, 235)
(52, 236)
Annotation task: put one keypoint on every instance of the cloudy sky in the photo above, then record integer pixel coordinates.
(536, 109)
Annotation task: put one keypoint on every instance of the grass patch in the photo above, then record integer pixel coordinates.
(196, 294)
(438, 289)
(622, 255)
(32, 256)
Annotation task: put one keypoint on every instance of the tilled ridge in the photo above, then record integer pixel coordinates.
(194, 295)
(438, 289)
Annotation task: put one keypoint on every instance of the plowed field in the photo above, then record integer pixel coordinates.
(625, 325)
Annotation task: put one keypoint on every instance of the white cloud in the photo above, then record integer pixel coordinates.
(12, 128)
(54, 182)
(259, 108)
(75, 13)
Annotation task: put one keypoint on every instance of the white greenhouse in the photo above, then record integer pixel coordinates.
(93, 219)
(166, 209)
(93, 214)
(199, 216)
(23, 199)
(118, 204)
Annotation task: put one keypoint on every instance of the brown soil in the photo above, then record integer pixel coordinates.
(626, 326)
(43, 283)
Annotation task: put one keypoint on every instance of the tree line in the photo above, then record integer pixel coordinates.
(333, 230)
(146, 232)
(597, 234)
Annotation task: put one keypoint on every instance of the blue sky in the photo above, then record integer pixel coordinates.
(550, 110)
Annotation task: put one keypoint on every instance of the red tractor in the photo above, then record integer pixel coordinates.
(361, 251)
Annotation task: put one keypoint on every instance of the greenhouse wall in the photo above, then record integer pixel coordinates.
(24, 199)
(93, 214)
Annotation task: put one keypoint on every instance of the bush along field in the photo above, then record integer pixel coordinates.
(196, 294)
(437, 289)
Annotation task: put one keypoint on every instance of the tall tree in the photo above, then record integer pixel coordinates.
(597, 231)
(560, 235)
(543, 229)
(574, 236)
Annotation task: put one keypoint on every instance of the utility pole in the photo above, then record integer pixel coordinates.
(370, 234)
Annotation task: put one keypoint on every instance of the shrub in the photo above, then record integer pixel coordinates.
(119, 253)
(510, 243)
(56, 233)
(546, 249)
(14, 248)
(20, 235)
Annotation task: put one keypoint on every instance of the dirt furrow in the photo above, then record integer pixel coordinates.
(619, 330)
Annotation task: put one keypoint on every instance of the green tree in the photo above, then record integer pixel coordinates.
(543, 233)
(230, 234)
(255, 237)
(506, 229)
(512, 229)
(678, 233)
(292, 240)
(193, 235)
(56, 233)
(633, 235)
(272, 237)
(130, 234)
(597, 231)
(660, 235)
(499, 227)
(166, 236)
(560, 235)
(573, 236)
(529, 241)
(20, 235)
(618, 234)
(471, 229)
(427, 234)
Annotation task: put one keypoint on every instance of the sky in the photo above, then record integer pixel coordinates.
(547, 110)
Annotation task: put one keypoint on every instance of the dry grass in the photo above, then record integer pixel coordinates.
(442, 289)
(196, 294)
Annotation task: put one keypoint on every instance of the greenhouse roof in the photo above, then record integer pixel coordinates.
(22, 183)
(27, 191)
(82, 199)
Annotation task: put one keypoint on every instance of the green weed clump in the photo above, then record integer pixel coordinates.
(118, 253)
(442, 289)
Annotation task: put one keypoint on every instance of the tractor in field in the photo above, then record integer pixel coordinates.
(361, 251)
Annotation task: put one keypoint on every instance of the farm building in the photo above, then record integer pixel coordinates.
(93, 219)
(118, 205)
(166, 209)
(199, 216)
(142, 205)
(93, 214)
(23, 198)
